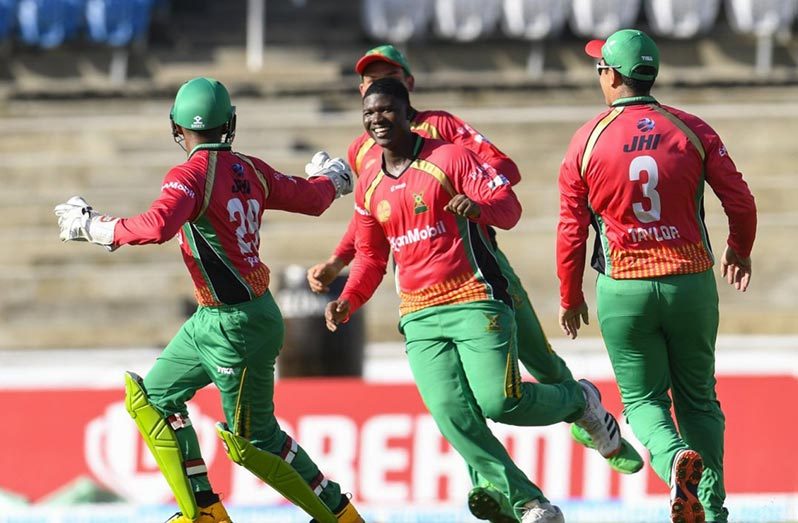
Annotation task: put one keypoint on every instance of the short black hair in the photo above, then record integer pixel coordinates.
(639, 87)
(391, 87)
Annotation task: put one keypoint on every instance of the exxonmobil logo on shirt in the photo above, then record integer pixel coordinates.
(416, 235)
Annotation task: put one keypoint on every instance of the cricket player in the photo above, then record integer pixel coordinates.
(214, 203)
(636, 172)
(534, 350)
(428, 202)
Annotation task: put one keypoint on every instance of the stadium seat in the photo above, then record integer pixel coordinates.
(466, 20)
(49, 23)
(681, 18)
(762, 17)
(765, 19)
(396, 20)
(601, 18)
(7, 15)
(117, 22)
(533, 19)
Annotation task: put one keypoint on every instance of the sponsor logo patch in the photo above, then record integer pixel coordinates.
(418, 203)
(383, 211)
(180, 187)
(416, 235)
(493, 323)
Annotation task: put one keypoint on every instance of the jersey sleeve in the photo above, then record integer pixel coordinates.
(572, 229)
(179, 201)
(294, 194)
(454, 130)
(735, 196)
(345, 251)
(371, 258)
(498, 204)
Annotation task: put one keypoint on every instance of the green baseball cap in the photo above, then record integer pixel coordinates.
(383, 53)
(202, 103)
(630, 52)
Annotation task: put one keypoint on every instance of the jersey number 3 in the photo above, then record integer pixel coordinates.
(247, 220)
(649, 165)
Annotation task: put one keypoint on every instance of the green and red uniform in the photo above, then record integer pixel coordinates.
(214, 203)
(456, 313)
(637, 173)
(534, 350)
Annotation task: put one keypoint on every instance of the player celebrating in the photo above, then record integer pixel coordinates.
(427, 202)
(637, 172)
(214, 202)
(534, 350)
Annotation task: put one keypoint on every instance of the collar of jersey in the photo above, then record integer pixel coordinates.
(211, 147)
(634, 100)
(416, 149)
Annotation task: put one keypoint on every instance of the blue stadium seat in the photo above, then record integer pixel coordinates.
(117, 22)
(533, 19)
(8, 9)
(396, 20)
(601, 18)
(49, 23)
(681, 18)
(466, 20)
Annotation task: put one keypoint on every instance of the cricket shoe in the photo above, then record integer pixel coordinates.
(541, 512)
(626, 461)
(211, 514)
(346, 512)
(685, 477)
(598, 423)
(490, 504)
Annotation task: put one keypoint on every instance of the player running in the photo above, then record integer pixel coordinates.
(428, 202)
(534, 350)
(214, 203)
(637, 172)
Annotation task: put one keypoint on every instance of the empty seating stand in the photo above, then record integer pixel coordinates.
(466, 20)
(601, 18)
(396, 20)
(7, 17)
(536, 21)
(49, 23)
(764, 19)
(117, 22)
(681, 18)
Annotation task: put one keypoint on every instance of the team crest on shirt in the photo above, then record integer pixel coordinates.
(493, 323)
(419, 205)
(383, 211)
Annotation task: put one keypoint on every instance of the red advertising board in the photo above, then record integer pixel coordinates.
(376, 439)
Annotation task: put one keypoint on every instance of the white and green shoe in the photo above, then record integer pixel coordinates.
(626, 461)
(489, 504)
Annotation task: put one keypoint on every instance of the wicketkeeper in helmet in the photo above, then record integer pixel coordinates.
(214, 203)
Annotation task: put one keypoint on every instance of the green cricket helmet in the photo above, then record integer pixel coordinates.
(202, 104)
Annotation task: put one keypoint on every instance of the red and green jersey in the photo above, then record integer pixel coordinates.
(363, 153)
(440, 258)
(637, 172)
(214, 203)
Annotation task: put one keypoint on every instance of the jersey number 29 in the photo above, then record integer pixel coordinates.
(247, 220)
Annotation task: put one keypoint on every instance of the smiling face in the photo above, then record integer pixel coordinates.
(385, 119)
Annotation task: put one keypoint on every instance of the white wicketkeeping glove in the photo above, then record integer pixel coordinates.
(316, 164)
(79, 222)
(336, 169)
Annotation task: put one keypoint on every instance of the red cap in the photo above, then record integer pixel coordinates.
(593, 48)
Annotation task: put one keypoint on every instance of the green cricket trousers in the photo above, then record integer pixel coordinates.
(534, 350)
(660, 334)
(235, 347)
(464, 361)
